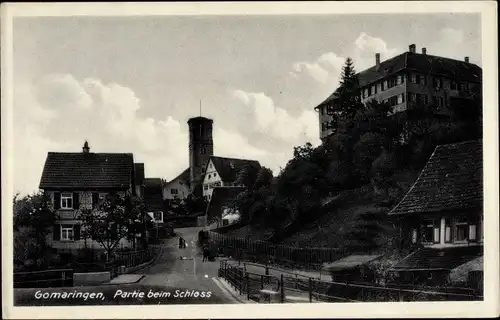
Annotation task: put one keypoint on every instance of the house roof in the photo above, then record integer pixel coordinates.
(228, 168)
(438, 259)
(452, 179)
(184, 176)
(87, 170)
(139, 173)
(152, 182)
(423, 63)
(350, 262)
(153, 195)
(221, 196)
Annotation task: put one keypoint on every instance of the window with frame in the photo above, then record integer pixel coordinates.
(414, 236)
(453, 85)
(401, 98)
(66, 232)
(413, 78)
(158, 216)
(428, 231)
(205, 187)
(66, 200)
(174, 191)
(366, 92)
(460, 230)
(380, 88)
(385, 85)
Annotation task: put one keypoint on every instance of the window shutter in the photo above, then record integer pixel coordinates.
(95, 199)
(76, 231)
(76, 200)
(57, 200)
(56, 233)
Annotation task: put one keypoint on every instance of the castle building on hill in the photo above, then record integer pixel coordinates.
(409, 80)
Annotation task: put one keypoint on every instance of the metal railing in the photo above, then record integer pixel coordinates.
(316, 290)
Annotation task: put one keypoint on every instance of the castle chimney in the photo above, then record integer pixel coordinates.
(86, 148)
(467, 59)
(377, 61)
(412, 48)
(424, 51)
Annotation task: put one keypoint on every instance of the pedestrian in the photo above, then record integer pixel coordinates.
(205, 253)
(181, 242)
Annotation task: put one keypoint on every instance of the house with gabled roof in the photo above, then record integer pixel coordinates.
(178, 187)
(223, 172)
(409, 79)
(441, 216)
(80, 180)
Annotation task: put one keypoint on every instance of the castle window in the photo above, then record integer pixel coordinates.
(399, 80)
(413, 78)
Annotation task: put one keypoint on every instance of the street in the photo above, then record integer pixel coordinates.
(170, 270)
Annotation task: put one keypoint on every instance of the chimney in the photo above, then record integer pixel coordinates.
(412, 48)
(467, 59)
(377, 61)
(86, 148)
(424, 50)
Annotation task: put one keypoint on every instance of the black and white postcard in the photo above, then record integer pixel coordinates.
(314, 158)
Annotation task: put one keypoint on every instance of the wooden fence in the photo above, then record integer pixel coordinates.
(262, 250)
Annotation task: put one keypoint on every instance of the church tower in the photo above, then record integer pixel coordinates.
(201, 148)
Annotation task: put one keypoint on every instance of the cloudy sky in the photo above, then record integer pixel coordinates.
(129, 84)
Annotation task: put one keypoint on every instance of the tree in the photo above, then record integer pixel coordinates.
(247, 176)
(264, 178)
(117, 217)
(349, 95)
(33, 221)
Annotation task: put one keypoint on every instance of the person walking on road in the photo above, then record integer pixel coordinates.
(181, 243)
(205, 253)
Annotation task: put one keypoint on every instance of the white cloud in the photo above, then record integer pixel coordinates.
(277, 122)
(367, 43)
(59, 112)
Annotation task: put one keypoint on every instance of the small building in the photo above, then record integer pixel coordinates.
(220, 205)
(81, 180)
(223, 172)
(441, 216)
(177, 188)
